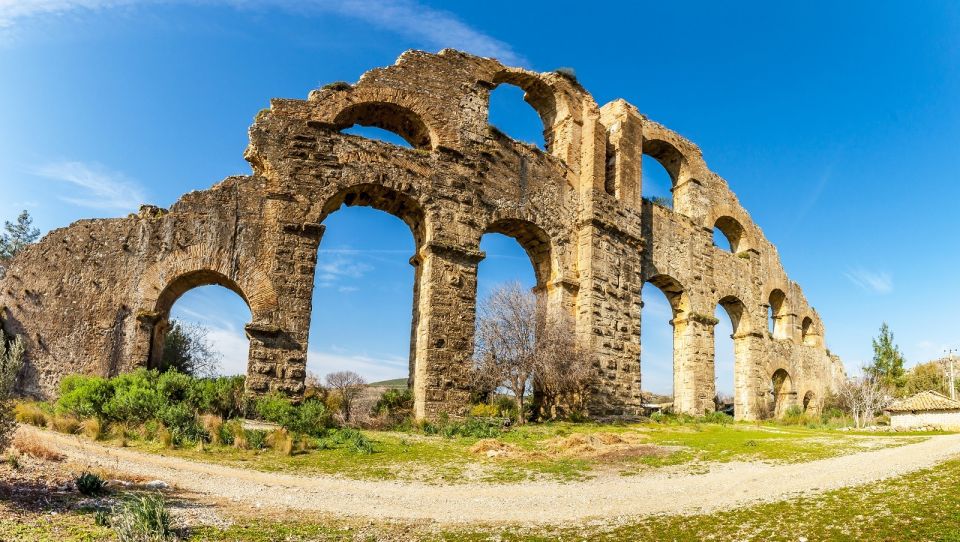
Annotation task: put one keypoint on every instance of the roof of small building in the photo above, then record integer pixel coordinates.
(925, 400)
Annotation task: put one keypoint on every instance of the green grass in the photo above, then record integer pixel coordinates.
(435, 459)
(396, 383)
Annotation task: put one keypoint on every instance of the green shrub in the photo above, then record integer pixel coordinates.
(175, 386)
(89, 484)
(311, 418)
(506, 407)
(223, 396)
(134, 404)
(142, 518)
(394, 402)
(256, 438)
(484, 411)
(180, 420)
(717, 417)
(84, 396)
(276, 408)
(361, 444)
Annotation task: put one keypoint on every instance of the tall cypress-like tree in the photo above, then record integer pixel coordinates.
(18, 235)
(888, 361)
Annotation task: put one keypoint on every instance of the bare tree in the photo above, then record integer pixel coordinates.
(520, 349)
(563, 372)
(348, 385)
(507, 339)
(863, 397)
(11, 361)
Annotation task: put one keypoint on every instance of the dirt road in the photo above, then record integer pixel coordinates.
(606, 497)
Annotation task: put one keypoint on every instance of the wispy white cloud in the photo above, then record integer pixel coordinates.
(434, 28)
(340, 267)
(373, 368)
(878, 282)
(94, 186)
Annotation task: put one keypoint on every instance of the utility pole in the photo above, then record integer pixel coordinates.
(953, 388)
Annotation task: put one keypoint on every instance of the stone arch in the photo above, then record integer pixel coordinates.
(808, 332)
(398, 204)
(534, 240)
(391, 117)
(538, 94)
(159, 319)
(781, 392)
(737, 311)
(741, 324)
(674, 291)
(777, 307)
(383, 198)
(733, 231)
(809, 400)
(668, 155)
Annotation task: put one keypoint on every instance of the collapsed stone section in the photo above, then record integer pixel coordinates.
(95, 297)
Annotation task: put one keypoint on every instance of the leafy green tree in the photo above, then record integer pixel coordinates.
(887, 365)
(17, 236)
(188, 350)
(926, 376)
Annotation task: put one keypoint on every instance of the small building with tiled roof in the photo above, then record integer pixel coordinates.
(925, 409)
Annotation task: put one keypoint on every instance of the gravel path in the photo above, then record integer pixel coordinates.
(606, 497)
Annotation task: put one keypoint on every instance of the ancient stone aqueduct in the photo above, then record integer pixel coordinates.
(95, 297)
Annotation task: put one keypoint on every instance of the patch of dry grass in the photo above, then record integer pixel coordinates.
(29, 445)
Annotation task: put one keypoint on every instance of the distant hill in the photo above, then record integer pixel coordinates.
(398, 383)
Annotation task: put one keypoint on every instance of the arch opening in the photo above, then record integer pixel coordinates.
(394, 119)
(656, 184)
(730, 354)
(807, 333)
(776, 309)
(364, 303)
(808, 401)
(510, 115)
(728, 234)
(198, 327)
(781, 392)
(511, 289)
(505, 112)
(660, 307)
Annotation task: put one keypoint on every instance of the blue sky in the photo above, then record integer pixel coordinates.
(837, 125)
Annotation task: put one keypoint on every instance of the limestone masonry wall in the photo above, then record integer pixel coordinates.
(95, 297)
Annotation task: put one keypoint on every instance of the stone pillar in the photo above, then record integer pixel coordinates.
(693, 375)
(748, 392)
(278, 341)
(446, 293)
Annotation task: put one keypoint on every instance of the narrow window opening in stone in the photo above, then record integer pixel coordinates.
(656, 346)
(363, 299)
(724, 364)
(512, 116)
(657, 185)
(213, 318)
(377, 134)
(774, 313)
(806, 332)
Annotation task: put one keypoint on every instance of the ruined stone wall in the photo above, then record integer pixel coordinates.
(95, 297)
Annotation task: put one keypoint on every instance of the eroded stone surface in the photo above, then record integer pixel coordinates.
(95, 297)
